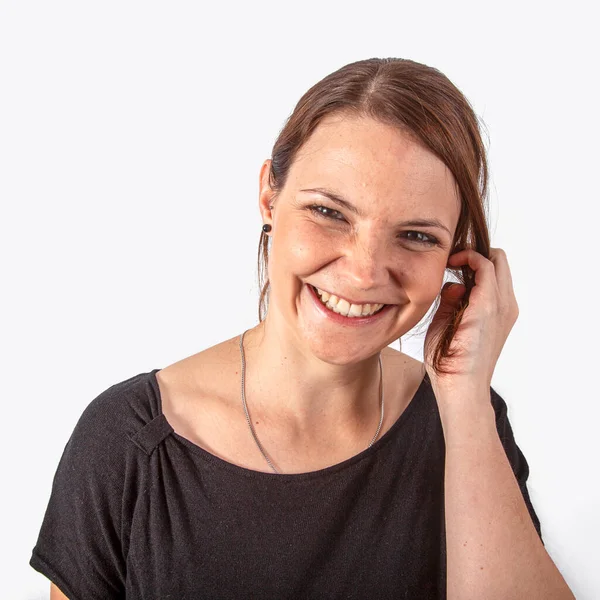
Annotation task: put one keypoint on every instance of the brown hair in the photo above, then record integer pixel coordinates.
(423, 102)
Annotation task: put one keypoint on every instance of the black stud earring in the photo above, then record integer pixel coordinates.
(266, 228)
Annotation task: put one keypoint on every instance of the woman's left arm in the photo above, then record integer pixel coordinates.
(493, 549)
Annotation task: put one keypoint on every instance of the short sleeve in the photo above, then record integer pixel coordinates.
(79, 547)
(513, 452)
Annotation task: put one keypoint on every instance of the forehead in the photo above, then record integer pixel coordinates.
(366, 160)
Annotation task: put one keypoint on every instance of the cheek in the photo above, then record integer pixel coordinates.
(303, 246)
(423, 280)
(295, 252)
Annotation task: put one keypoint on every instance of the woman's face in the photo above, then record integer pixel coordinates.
(370, 255)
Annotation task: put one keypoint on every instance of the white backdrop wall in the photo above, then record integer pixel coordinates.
(131, 138)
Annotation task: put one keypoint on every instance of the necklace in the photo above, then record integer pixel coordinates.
(250, 422)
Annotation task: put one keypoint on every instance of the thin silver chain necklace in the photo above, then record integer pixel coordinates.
(250, 422)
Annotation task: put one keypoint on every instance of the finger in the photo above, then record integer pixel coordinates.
(503, 274)
(504, 279)
(483, 268)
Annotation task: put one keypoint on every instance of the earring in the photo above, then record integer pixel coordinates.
(266, 228)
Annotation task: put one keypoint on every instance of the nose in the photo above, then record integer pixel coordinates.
(365, 265)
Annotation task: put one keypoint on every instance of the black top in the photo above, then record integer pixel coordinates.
(139, 512)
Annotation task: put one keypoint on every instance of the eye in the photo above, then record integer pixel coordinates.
(314, 208)
(428, 241)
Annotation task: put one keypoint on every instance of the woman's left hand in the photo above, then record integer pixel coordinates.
(485, 325)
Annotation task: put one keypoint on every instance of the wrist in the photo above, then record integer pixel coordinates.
(465, 407)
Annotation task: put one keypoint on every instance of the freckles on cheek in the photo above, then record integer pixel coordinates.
(300, 253)
(309, 247)
(422, 284)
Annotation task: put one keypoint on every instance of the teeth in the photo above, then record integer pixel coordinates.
(342, 307)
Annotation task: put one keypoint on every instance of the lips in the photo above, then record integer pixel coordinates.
(316, 291)
(341, 319)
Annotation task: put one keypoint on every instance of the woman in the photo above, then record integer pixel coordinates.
(306, 458)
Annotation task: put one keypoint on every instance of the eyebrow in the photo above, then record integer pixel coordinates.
(337, 199)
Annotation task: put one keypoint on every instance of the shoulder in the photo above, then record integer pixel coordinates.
(129, 401)
(103, 449)
(207, 374)
(111, 419)
(84, 537)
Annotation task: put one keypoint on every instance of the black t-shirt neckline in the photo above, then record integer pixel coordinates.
(326, 471)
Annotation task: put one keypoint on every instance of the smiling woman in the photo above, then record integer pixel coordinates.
(368, 213)
(305, 458)
(372, 150)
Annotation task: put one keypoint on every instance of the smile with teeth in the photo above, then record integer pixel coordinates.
(342, 307)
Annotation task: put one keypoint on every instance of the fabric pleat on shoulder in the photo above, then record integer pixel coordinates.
(152, 434)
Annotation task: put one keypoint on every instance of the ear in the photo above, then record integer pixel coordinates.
(452, 293)
(265, 193)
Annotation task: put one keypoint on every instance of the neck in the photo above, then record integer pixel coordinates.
(301, 389)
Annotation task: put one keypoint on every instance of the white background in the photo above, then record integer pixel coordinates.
(131, 138)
